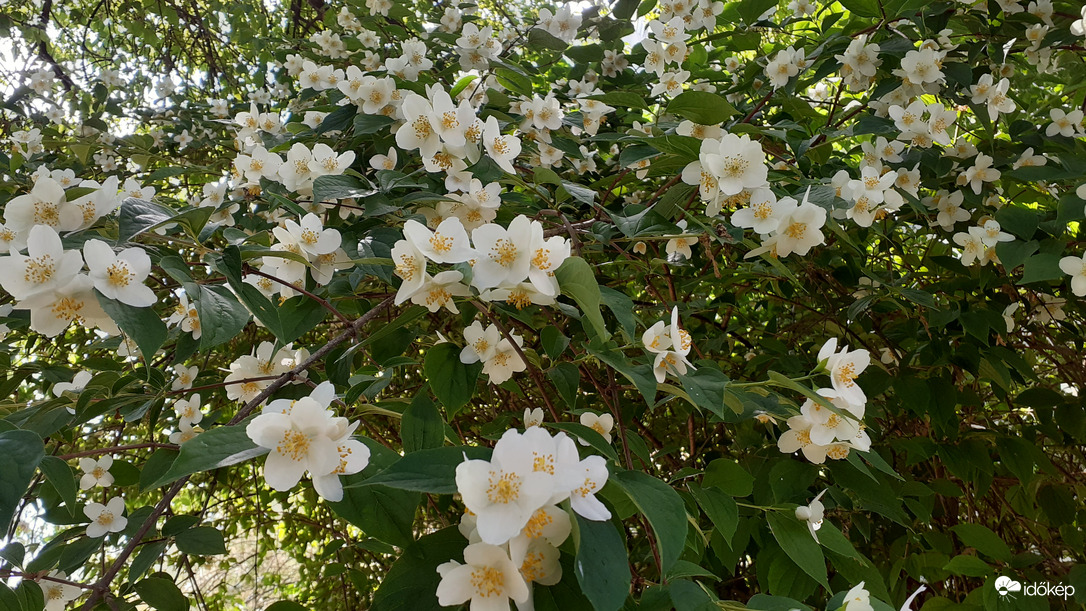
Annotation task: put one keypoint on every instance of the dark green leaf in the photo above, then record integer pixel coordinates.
(219, 447)
(20, 453)
(141, 324)
(453, 382)
(201, 541)
(62, 477)
(721, 509)
(162, 594)
(701, 107)
(797, 542)
(601, 564)
(664, 509)
(432, 471)
(421, 426)
(138, 215)
(221, 316)
(576, 279)
(983, 540)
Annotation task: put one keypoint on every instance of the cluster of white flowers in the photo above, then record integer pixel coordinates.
(820, 432)
(189, 414)
(477, 47)
(670, 344)
(513, 523)
(563, 24)
(49, 282)
(251, 374)
(979, 242)
(305, 436)
(726, 167)
(514, 264)
(792, 227)
(27, 142)
(784, 65)
(318, 247)
(696, 14)
(499, 356)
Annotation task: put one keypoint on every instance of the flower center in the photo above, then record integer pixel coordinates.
(504, 252)
(487, 581)
(118, 274)
(40, 270)
(294, 444)
(503, 489)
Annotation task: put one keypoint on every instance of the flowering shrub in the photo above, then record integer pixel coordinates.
(603, 305)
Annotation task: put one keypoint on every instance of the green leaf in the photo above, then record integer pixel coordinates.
(411, 583)
(453, 382)
(970, 566)
(201, 541)
(62, 477)
(701, 107)
(576, 279)
(567, 379)
(622, 307)
(721, 509)
(285, 605)
(20, 453)
(1014, 253)
(640, 375)
(728, 476)
(538, 38)
(797, 542)
(432, 471)
(1042, 267)
(601, 565)
(221, 316)
(554, 342)
(983, 540)
(332, 188)
(219, 447)
(138, 215)
(689, 596)
(421, 426)
(141, 324)
(162, 594)
(706, 387)
(664, 509)
(145, 558)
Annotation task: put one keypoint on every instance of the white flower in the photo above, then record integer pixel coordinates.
(505, 362)
(502, 149)
(1076, 268)
(764, 212)
(844, 367)
(310, 236)
(601, 423)
(1064, 123)
(481, 343)
(188, 410)
(980, 173)
(858, 599)
(1078, 27)
(489, 579)
(812, 514)
(300, 441)
(48, 266)
(185, 377)
(353, 457)
(57, 595)
(448, 243)
(998, 101)
(96, 472)
(52, 311)
(737, 162)
(533, 417)
(800, 229)
(384, 162)
(681, 244)
(591, 475)
(44, 205)
(437, 292)
(505, 492)
(120, 275)
(670, 349)
(503, 255)
(105, 518)
(259, 163)
(78, 383)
